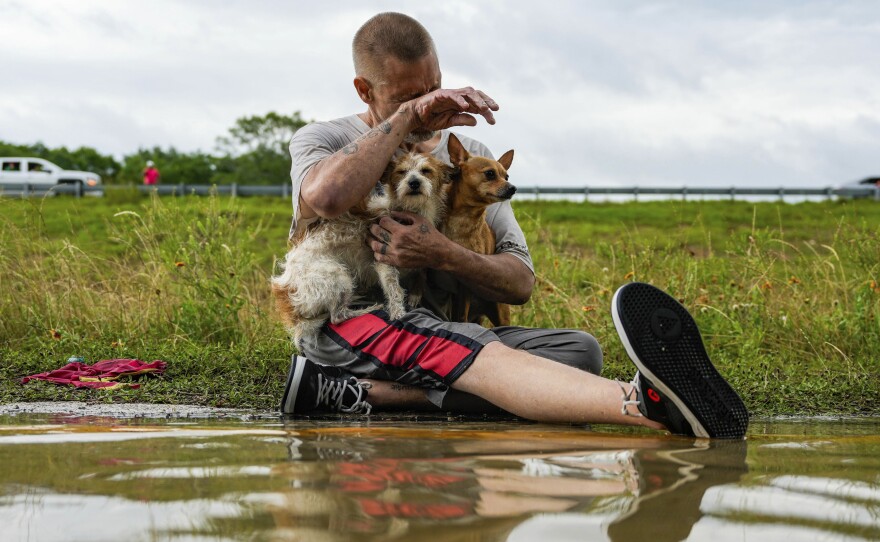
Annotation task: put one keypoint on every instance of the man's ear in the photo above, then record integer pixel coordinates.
(457, 154)
(364, 89)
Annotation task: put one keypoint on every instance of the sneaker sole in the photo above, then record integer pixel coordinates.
(664, 342)
(294, 376)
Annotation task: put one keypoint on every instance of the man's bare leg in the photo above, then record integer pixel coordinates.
(529, 386)
(685, 393)
(385, 395)
(542, 390)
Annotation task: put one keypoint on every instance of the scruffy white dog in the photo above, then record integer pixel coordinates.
(332, 264)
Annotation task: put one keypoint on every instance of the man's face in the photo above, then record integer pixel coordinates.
(405, 81)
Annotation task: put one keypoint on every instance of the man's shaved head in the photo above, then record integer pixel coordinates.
(384, 35)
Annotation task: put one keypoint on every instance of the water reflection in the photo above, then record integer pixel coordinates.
(629, 487)
(429, 481)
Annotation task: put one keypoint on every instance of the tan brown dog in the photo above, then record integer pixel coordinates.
(478, 183)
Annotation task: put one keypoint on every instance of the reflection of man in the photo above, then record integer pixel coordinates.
(656, 485)
(539, 374)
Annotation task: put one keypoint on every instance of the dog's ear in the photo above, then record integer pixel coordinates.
(457, 154)
(450, 174)
(506, 159)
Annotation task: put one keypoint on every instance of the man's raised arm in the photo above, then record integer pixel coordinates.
(338, 182)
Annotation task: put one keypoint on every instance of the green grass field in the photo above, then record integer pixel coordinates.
(787, 295)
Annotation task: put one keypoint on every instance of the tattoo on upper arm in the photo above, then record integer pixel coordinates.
(351, 148)
(510, 246)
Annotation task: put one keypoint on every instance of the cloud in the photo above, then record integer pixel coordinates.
(597, 92)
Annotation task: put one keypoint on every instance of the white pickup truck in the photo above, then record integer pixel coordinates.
(41, 175)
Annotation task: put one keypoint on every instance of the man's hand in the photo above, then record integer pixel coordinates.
(445, 108)
(406, 240)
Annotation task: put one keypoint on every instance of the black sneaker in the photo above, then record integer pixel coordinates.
(676, 384)
(320, 388)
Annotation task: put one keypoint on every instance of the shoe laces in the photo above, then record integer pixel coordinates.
(627, 396)
(332, 390)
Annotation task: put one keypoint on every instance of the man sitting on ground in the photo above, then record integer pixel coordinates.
(425, 361)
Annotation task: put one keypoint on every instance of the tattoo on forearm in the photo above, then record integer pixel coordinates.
(401, 387)
(423, 228)
(383, 128)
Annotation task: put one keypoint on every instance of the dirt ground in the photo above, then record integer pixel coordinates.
(131, 410)
(158, 411)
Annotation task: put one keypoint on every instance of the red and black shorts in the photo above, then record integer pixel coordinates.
(420, 349)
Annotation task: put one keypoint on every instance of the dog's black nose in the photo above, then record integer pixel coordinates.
(414, 184)
(507, 192)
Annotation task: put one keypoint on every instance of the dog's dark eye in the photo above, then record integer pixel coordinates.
(400, 171)
(426, 171)
(506, 177)
(490, 175)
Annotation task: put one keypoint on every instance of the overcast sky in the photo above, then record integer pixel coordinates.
(749, 93)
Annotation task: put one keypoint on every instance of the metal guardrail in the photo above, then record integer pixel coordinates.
(685, 191)
(283, 190)
(29, 189)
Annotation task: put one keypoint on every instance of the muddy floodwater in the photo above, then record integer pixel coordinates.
(90, 478)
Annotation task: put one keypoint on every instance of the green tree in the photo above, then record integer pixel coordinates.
(86, 159)
(83, 158)
(174, 166)
(271, 131)
(11, 149)
(255, 151)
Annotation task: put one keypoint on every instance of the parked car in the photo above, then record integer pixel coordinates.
(43, 175)
(861, 189)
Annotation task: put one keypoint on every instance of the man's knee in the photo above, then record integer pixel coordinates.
(571, 347)
(591, 357)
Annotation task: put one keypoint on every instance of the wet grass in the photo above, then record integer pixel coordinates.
(787, 295)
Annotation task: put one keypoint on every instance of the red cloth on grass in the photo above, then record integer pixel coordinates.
(100, 375)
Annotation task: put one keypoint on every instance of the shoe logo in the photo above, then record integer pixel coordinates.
(653, 395)
(665, 324)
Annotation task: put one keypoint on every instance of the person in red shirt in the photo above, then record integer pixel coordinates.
(151, 174)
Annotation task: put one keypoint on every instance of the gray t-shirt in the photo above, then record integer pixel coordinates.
(316, 141)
